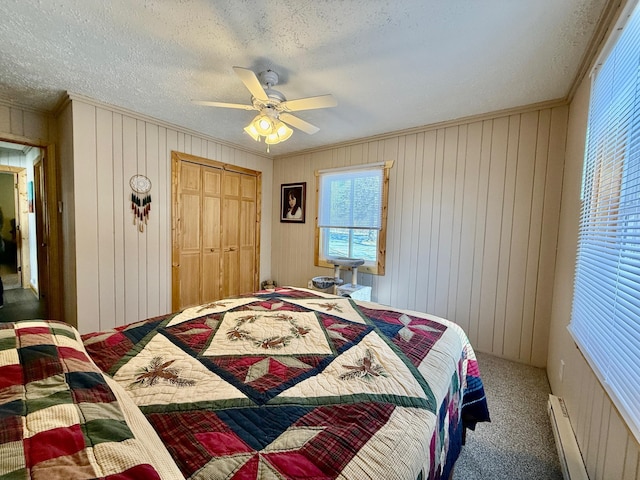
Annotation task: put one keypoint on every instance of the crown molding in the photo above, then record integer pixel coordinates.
(5, 102)
(607, 21)
(434, 126)
(71, 97)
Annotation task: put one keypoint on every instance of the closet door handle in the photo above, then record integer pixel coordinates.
(230, 249)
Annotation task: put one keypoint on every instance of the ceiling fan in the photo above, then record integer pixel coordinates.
(273, 107)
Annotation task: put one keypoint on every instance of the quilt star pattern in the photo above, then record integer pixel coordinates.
(290, 384)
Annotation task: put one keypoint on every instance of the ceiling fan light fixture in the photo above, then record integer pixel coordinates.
(251, 130)
(271, 139)
(271, 128)
(281, 133)
(263, 124)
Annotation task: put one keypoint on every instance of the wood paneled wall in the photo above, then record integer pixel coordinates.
(472, 229)
(609, 450)
(23, 125)
(66, 217)
(123, 275)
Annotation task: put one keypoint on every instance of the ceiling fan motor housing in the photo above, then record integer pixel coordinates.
(275, 99)
(270, 111)
(268, 78)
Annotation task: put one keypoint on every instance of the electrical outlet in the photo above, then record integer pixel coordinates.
(561, 373)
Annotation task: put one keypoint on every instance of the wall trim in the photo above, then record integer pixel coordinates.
(606, 23)
(140, 116)
(423, 128)
(560, 102)
(5, 102)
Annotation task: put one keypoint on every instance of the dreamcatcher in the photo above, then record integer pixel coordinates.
(140, 200)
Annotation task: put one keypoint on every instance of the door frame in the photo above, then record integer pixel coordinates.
(42, 226)
(177, 158)
(48, 228)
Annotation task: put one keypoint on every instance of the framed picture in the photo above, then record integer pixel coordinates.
(293, 202)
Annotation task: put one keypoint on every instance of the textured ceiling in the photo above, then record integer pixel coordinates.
(391, 64)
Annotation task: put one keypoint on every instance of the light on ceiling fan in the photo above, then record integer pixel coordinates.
(281, 133)
(272, 129)
(251, 130)
(264, 125)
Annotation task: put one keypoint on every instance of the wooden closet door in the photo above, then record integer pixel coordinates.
(190, 245)
(231, 221)
(211, 238)
(248, 278)
(200, 219)
(239, 234)
(216, 231)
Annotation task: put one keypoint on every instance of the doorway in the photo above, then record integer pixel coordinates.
(18, 237)
(9, 241)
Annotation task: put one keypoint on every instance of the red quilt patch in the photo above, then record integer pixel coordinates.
(58, 442)
(10, 375)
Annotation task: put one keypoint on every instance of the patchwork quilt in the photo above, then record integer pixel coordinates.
(296, 384)
(59, 417)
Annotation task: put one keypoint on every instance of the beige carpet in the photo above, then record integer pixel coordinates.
(518, 444)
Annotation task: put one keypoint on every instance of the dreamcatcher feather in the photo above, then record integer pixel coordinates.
(140, 200)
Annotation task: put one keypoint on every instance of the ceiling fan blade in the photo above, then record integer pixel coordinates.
(224, 105)
(300, 124)
(309, 103)
(251, 81)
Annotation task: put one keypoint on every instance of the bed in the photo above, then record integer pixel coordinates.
(281, 384)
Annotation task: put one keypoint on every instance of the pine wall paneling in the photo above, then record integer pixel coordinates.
(86, 191)
(472, 226)
(123, 275)
(67, 216)
(610, 451)
(24, 125)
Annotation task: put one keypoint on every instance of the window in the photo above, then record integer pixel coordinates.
(605, 318)
(352, 205)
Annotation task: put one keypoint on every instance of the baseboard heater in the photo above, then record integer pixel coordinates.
(568, 451)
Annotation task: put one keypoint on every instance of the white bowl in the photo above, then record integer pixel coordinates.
(325, 282)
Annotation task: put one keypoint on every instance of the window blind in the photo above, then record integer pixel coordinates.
(351, 198)
(606, 306)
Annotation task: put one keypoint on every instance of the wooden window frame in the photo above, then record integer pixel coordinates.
(379, 267)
